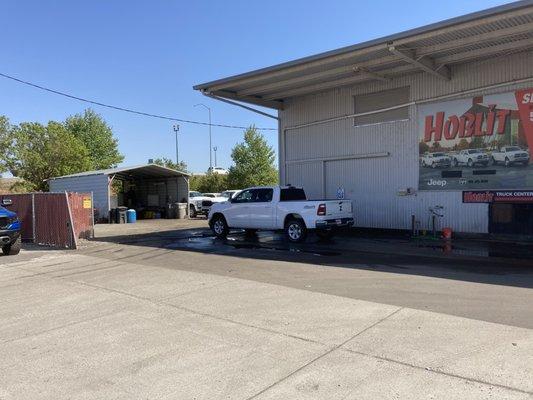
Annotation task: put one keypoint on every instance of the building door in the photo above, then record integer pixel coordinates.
(511, 219)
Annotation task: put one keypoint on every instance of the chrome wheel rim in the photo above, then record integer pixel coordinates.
(218, 226)
(295, 231)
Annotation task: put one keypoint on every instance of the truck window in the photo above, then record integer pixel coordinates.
(243, 197)
(292, 194)
(262, 195)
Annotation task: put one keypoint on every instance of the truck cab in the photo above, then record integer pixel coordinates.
(9, 231)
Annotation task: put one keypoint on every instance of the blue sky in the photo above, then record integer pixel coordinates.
(147, 55)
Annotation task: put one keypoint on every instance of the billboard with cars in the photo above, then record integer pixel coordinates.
(477, 143)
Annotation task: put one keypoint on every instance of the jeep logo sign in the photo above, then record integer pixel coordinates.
(484, 142)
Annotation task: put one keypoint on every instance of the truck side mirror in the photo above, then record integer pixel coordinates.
(7, 202)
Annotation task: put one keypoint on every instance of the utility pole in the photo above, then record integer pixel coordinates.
(176, 130)
(215, 148)
(210, 144)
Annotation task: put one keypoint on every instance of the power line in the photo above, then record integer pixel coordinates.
(97, 103)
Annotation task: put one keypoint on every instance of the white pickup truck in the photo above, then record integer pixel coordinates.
(509, 155)
(280, 208)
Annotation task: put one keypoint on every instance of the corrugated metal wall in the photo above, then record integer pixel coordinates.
(373, 183)
(97, 184)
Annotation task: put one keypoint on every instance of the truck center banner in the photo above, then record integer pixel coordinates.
(502, 196)
(484, 142)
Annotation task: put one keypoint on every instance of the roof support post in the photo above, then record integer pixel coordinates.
(426, 64)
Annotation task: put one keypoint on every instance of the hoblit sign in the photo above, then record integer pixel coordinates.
(482, 142)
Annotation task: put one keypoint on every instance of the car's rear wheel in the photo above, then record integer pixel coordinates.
(219, 226)
(507, 162)
(433, 165)
(12, 249)
(470, 162)
(192, 211)
(295, 230)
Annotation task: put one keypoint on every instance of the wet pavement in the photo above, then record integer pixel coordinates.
(490, 251)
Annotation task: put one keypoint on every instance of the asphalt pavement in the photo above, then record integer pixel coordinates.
(163, 310)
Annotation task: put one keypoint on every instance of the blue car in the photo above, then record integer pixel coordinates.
(9, 232)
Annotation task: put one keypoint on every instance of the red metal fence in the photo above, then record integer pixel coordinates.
(53, 219)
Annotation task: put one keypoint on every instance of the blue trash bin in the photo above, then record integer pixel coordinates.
(131, 216)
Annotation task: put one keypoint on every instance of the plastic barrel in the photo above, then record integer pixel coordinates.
(131, 216)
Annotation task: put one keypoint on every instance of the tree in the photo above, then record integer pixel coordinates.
(254, 162)
(5, 140)
(167, 162)
(36, 152)
(97, 137)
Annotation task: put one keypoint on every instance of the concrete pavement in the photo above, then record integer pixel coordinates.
(137, 322)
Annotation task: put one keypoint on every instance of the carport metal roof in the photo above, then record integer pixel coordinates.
(139, 171)
(433, 49)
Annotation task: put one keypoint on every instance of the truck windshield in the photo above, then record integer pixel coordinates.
(292, 194)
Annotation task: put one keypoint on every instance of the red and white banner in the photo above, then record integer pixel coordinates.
(477, 143)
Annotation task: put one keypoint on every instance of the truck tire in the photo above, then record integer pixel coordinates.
(295, 230)
(192, 211)
(470, 163)
(433, 165)
(507, 162)
(250, 232)
(455, 162)
(219, 226)
(12, 249)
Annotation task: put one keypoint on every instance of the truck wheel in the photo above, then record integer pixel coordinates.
(295, 230)
(250, 232)
(433, 165)
(455, 162)
(12, 249)
(470, 162)
(325, 234)
(192, 211)
(219, 226)
(507, 162)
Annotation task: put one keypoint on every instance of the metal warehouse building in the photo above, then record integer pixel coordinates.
(439, 116)
(143, 187)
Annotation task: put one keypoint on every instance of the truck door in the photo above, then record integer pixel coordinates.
(238, 214)
(261, 209)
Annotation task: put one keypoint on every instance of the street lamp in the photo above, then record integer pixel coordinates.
(210, 148)
(176, 130)
(215, 148)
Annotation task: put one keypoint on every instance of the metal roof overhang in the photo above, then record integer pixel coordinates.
(149, 171)
(146, 171)
(432, 49)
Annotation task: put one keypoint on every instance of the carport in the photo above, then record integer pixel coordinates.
(152, 190)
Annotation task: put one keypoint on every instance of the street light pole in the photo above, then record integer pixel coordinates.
(215, 148)
(210, 144)
(176, 130)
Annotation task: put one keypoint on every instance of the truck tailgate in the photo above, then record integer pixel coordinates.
(338, 208)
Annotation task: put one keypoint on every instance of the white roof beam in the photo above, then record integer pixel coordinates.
(258, 101)
(370, 75)
(426, 64)
(516, 46)
(336, 83)
(476, 39)
(331, 73)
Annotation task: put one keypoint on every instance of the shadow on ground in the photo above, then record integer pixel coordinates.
(481, 262)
